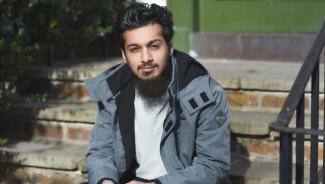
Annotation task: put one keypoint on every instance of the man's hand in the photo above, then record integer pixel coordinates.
(107, 182)
(138, 182)
(131, 182)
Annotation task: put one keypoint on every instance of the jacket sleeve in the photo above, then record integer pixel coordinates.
(99, 158)
(212, 144)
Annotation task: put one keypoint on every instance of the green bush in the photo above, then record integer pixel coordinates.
(67, 24)
(14, 48)
(3, 141)
(34, 30)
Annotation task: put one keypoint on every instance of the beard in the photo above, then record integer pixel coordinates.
(154, 88)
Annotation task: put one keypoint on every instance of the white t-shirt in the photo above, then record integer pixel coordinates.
(148, 126)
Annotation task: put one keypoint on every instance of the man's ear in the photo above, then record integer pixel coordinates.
(171, 48)
(123, 55)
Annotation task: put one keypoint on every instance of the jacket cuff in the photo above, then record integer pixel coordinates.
(110, 179)
(156, 181)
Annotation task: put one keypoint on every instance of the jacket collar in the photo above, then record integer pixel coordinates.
(184, 70)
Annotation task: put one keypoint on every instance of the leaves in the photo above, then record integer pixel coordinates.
(3, 141)
(31, 29)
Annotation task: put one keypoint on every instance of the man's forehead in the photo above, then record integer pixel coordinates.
(143, 35)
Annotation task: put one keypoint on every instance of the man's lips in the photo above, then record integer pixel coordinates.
(147, 68)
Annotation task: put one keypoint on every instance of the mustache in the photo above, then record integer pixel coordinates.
(147, 65)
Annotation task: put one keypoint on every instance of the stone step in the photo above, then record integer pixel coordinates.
(231, 73)
(255, 170)
(62, 121)
(44, 154)
(46, 162)
(254, 86)
(42, 162)
(34, 129)
(68, 111)
(51, 159)
(63, 80)
(17, 174)
(243, 122)
(251, 123)
(73, 122)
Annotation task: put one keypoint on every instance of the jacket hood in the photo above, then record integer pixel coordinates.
(114, 80)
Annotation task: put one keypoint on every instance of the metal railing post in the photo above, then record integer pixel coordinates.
(285, 158)
(314, 125)
(323, 170)
(300, 121)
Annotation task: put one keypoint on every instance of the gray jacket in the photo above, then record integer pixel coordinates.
(195, 145)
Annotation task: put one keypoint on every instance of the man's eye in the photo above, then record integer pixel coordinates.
(135, 49)
(155, 46)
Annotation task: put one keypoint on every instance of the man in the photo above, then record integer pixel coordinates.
(161, 117)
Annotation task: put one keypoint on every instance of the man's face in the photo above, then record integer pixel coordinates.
(146, 51)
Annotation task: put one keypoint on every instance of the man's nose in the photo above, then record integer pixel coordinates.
(146, 56)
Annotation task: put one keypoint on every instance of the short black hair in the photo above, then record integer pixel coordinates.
(141, 14)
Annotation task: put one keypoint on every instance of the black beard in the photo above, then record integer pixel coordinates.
(155, 87)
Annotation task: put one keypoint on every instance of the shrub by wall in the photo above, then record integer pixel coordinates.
(36, 30)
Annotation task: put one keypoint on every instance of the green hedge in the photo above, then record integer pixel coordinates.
(34, 30)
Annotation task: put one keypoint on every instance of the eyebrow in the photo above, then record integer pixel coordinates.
(155, 40)
(149, 43)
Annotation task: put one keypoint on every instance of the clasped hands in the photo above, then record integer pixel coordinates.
(131, 182)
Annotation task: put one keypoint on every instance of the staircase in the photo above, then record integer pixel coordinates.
(48, 139)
